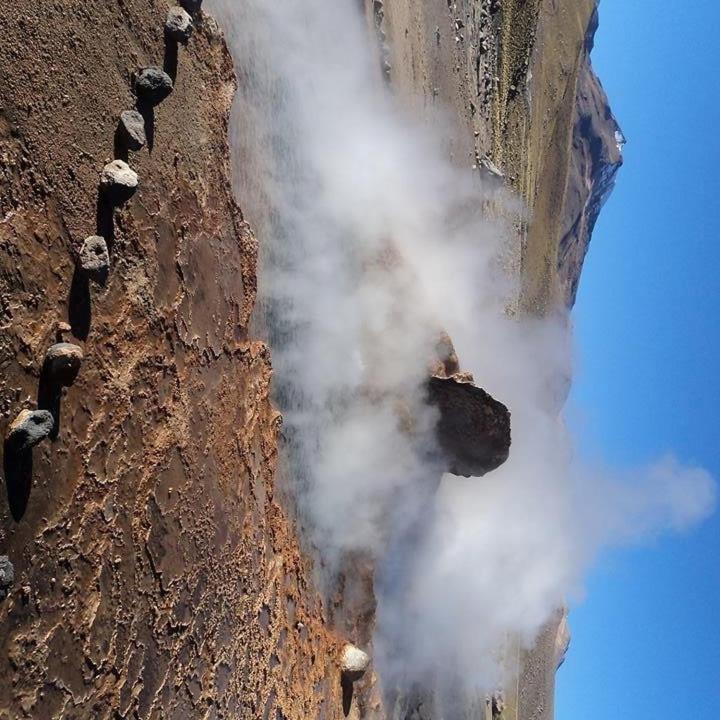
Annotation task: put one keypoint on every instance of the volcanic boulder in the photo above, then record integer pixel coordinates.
(132, 128)
(473, 429)
(179, 25)
(153, 85)
(62, 364)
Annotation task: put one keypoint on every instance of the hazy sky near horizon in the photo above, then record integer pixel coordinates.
(646, 641)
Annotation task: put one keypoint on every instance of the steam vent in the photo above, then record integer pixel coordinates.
(224, 251)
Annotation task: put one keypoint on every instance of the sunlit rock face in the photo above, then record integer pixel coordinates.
(596, 159)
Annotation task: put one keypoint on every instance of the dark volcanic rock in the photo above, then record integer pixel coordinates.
(473, 429)
(132, 127)
(94, 258)
(28, 429)
(7, 576)
(153, 85)
(62, 363)
(179, 25)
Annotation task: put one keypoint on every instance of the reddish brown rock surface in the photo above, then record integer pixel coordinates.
(155, 573)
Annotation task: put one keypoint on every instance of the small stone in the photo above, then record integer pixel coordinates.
(153, 85)
(132, 127)
(354, 662)
(108, 511)
(94, 258)
(7, 576)
(62, 363)
(118, 181)
(490, 168)
(29, 428)
(61, 329)
(179, 25)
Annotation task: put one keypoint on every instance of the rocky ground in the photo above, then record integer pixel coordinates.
(155, 573)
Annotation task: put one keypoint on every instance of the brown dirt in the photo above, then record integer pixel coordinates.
(156, 574)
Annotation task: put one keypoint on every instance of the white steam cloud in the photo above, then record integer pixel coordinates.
(372, 243)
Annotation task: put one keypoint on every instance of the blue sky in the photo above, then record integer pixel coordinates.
(646, 641)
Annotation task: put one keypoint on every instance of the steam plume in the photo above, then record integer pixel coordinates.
(373, 242)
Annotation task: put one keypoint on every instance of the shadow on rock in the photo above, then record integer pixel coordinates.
(26, 431)
(347, 694)
(18, 467)
(170, 59)
(148, 115)
(60, 370)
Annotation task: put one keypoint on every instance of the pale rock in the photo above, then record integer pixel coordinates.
(354, 662)
(178, 25)
(94, 258)
(118, 181)
(132, 127)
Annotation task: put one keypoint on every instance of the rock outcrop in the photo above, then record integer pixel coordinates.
(473, 428)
